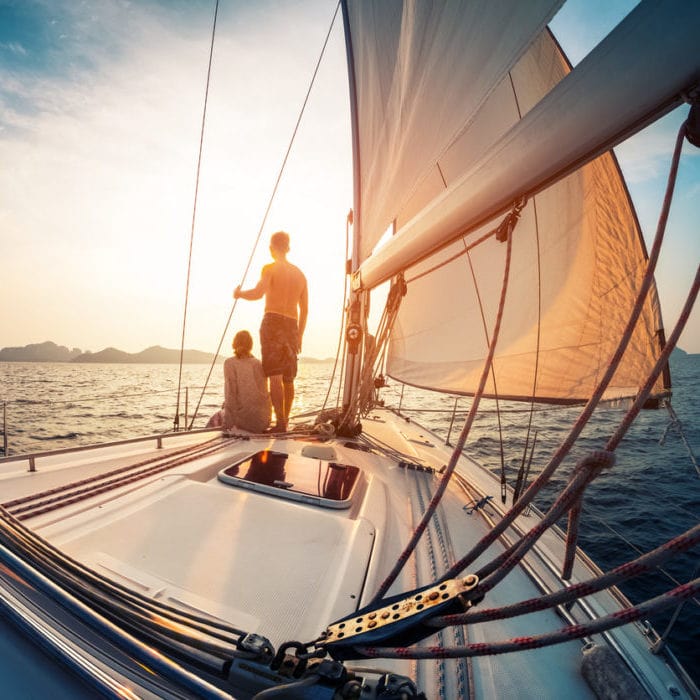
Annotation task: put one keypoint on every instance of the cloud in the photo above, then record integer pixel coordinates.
(647, 156)
(13, 47)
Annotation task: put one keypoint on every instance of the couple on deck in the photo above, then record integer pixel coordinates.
(246, 398)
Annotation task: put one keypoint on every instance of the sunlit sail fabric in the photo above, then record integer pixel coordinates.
(411, 110)
(578, 258)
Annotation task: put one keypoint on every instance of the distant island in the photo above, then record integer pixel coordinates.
(156, 355)
(50, 352)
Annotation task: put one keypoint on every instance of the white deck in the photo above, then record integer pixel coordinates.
(286, 569)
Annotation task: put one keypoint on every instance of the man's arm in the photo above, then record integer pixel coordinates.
(303, 312)
(256, 292)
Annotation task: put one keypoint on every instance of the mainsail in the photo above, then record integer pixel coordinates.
(578, 253)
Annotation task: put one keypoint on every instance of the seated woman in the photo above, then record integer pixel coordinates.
(246, 398)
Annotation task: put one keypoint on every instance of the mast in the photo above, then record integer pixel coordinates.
(356, 317)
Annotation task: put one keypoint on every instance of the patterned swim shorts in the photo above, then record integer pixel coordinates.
(279, 339)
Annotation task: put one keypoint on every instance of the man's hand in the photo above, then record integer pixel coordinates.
(237, 292)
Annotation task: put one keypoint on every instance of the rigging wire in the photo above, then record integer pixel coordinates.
(493, 378)
(420, 528)
(525, 467)
(524, 470)
(572, 494)
(176, 421)
(586, 470)
(459, 254)
(634, 547)
(676, 425)
(362, 400)
(269, 207)
(348, 223)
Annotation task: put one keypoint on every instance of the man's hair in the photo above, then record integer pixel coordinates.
(280, 241)
(242, 343)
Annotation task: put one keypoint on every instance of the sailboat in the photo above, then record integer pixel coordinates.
(358, 556)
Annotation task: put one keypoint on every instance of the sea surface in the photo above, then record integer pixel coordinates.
(651, 494)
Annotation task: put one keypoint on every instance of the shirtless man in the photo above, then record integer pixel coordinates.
(286, 307)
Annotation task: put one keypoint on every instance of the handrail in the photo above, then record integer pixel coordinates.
(31, 457)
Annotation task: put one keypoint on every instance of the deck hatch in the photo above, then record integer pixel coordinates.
(295, 477)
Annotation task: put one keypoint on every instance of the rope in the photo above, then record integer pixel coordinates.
(432, 560)
(661, 641)
(176, 422)
(362, 401)
(614, 441)
(98, 477)
(635, 548)
(642, 565)
(493, 378)
(521, 478)
(267, 210)
(460, 441)
(143, 654)
(595, 398)
(464, 669)
(572, 494)
(77, 576)
(660, 365)
(585, 471)
(565, 634)
(447, 261)
(572, 538)
(39, 507)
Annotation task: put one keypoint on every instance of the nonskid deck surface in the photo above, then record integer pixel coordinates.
(287, 569)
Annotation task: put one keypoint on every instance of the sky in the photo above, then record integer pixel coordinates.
(100, 118)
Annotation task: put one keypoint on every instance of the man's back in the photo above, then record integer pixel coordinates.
(286, 288)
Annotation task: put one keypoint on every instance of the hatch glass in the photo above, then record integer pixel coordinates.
(296, 477)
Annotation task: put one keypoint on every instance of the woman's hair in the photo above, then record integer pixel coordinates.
(242, 344)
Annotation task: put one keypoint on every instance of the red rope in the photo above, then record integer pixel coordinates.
(614, 441)
(586, 470)
(565, 634)
(432, 506)
(572, 538)
(51, 504)
(642, 565)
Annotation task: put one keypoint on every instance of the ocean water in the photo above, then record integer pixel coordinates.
(651, 494)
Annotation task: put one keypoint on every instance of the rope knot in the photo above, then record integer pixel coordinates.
(594, 463)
